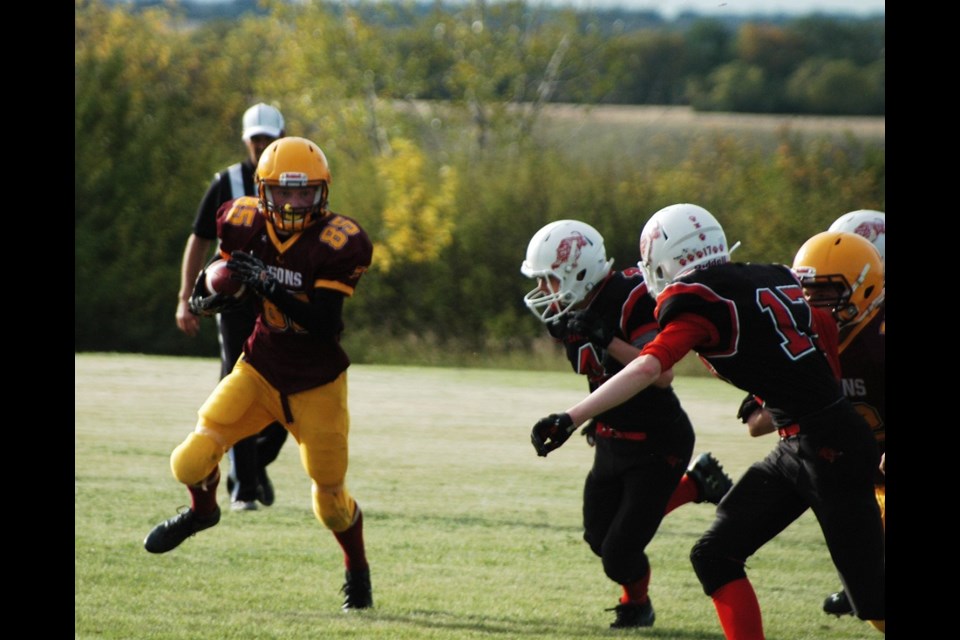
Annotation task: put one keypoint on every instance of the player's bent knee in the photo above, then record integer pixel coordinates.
(333, 507)
(195, 458)
(714, 570)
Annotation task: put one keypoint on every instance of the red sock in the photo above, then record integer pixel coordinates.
(686, 491)
(636, 592)
(351, 541)
(738, 610)
(203, 495)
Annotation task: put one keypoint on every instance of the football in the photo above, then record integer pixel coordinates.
(218, 280)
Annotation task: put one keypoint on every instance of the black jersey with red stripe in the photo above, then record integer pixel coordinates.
(623, 302)
(864, 382)
(332, 254)
(764, 337)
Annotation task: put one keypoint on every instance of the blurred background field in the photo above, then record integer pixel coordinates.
(469, 533)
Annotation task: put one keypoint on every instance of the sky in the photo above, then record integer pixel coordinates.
(670, 8)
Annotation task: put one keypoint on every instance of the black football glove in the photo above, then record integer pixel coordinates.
(590, 326)
(747, 407)
(551, 432)
(253, 272)
(203, 303)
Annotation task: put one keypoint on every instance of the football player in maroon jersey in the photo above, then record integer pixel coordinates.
(302, 261)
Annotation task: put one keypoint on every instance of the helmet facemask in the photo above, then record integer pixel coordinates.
(835, 292)
(288, 218)
(553, 296)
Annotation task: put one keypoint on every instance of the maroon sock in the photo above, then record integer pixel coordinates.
(636, 592)
(203, 495)
(351, 541)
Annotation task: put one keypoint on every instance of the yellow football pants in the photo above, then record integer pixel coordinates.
(243, 403)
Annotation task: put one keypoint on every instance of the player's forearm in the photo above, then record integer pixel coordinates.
(622, 351)
(760, 423)
(640, 373)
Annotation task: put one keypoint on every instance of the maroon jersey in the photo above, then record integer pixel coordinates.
(864, 383)
(763, 335)
(331, 254)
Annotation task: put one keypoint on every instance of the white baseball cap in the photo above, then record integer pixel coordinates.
(262, 119)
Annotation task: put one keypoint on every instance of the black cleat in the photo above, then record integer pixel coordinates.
(168, 535)
(838, 604)
(265, 489)
(710, 478)
(633, 615)
(357, 593)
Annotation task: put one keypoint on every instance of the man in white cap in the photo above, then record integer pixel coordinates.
(248, 481)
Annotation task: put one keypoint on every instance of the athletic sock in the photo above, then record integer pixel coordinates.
(739, 611)
(636, 592)
(686, 491)
(351, 541)
(203, 495)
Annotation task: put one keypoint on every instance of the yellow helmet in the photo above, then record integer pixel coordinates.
(293, 162)
(842, 271)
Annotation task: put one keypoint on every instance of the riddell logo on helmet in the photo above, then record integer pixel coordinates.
(570, 247)
(293, 179)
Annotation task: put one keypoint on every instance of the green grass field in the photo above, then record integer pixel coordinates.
(469, 533)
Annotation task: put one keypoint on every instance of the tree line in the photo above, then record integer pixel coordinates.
(816, 64)
(450, 188)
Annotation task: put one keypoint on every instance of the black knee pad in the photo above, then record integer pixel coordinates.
(712, 569)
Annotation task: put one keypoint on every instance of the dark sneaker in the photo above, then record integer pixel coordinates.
(170, 533)
(265, 489)
(633, 615)
(710, 478)
(838, 604)
(356, 590)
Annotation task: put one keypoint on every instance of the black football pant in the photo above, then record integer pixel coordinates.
(626, 494)
(828, 467)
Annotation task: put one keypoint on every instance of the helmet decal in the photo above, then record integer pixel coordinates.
(571, 245)
(646, 239)
(871, 230)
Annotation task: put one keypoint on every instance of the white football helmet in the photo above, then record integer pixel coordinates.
(867, 223)
(677, 239)
(572, 253)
